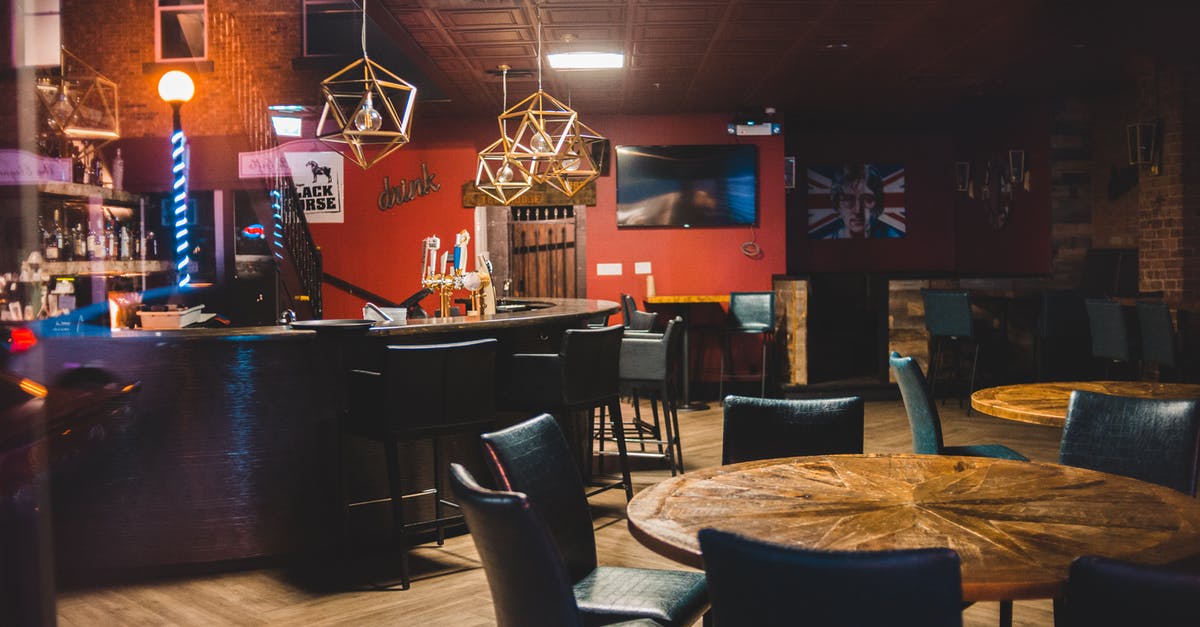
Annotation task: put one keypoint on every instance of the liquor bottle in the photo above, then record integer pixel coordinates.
(124, 250)
(77, 169)
(97, 173)
(81, 247)
(118, 171)
(53, 238)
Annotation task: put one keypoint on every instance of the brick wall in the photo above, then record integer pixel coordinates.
(1167, 205)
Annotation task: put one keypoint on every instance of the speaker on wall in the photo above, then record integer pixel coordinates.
(600, 150)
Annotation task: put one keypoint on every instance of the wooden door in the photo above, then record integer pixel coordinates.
(543, 253)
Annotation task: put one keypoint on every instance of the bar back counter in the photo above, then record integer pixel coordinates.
(232, 449)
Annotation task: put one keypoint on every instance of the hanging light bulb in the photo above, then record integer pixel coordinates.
(505, 175)
(367, 118)
(362, 131)
(539, 143)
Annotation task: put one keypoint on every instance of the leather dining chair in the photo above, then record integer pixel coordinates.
(1103, 592)
(525, 572)
(753, 582)
(532, 458)
(923, 417)
(1152, 439)
(765, 428)
(416, 398)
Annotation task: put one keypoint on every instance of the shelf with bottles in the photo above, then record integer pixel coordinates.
(85, 237)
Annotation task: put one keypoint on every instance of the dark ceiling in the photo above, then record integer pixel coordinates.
(816, 59)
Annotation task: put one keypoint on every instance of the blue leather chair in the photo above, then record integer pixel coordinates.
(764, 428)
(924, 421)
(1104, 592)
(525, 572)
(1152, 439)
(532, 458)
(764, 584)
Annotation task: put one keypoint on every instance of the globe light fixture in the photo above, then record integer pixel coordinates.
(175, 88)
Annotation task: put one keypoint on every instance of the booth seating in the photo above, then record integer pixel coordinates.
(418, 396)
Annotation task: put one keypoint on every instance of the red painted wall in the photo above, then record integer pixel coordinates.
(380, 250)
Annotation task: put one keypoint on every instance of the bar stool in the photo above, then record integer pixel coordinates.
(750, 313)
(419, 395)
(1110, 336)
(948, 321)
(581, 377)
(650, 366)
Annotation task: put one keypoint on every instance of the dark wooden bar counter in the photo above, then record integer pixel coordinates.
(232, 450)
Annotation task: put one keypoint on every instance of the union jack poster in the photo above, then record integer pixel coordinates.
(856, 201)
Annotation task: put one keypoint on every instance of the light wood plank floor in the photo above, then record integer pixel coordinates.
(451, 589)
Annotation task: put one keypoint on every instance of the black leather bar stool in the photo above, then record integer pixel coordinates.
(570, 385)
(649, 366)
(424, 392)
(750, 313)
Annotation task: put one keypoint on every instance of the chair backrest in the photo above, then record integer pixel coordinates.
(634, 319)
(533, 458)
(1104, 592)
(1061, 314)
(761, 428)
(1152, 439)
(751, 582)
(524, 570)
(591, 364)
(948, 313)
(652, 358)
(752, 312)
(1106, 321)
(420, 391)
(1157, 331)
(923, 417)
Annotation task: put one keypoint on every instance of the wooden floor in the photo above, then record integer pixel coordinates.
(451, 589)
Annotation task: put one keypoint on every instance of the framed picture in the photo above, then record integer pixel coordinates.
(856, 201)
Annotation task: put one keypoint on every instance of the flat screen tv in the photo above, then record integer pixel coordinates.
(686, 186)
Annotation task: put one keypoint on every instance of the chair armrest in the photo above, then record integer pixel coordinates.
(643, 359)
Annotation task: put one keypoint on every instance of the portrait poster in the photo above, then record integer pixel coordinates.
(856, 201)
(318, 180)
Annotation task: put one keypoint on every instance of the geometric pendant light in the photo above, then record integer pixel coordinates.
(576, 166)
(496, 174)
(80, 103)
(368, 110)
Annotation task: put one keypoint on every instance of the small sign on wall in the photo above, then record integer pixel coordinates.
(318, 180)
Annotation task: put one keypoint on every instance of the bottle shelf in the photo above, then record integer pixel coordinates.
(107, 267)
(81, 190)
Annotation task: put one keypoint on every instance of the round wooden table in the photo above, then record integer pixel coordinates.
(1046, 403)
(1015, 525)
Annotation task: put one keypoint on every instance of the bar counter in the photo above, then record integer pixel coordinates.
(231, 451)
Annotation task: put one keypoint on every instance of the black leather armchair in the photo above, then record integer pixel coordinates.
(764, 584)
(649, 366)
(758, 428)
(532, 458)
(526, 575)
(634, 319)
(1104, 592)
(1152, 439)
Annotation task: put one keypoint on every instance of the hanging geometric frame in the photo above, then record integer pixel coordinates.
(497, 177)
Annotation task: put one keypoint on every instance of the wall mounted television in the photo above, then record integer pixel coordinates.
(687, 185)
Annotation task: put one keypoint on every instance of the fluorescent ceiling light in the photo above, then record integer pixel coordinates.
(586, 60)
(286, 126)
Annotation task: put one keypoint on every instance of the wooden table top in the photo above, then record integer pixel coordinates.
(699, 298)
(1015, 525)
(1046, 403)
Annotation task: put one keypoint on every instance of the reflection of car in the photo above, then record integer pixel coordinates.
(50, 427)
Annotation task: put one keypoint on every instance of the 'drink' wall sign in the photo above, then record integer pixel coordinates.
(407, 189)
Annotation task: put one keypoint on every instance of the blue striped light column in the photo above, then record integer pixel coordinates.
(176, 88)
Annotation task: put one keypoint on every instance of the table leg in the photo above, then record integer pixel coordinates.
(688, 404)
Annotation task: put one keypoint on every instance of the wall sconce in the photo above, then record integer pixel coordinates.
(1016, 164)
(1142, 138)
(962, 175)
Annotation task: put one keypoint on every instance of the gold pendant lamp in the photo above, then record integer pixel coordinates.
(368, 110)
(496, 175)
